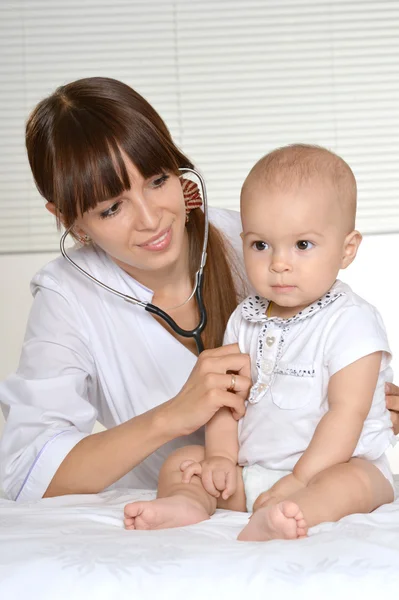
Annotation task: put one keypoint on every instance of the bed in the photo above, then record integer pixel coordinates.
(75, 547)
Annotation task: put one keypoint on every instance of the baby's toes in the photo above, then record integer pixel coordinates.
(128, 522)
(302, 523)
(301, 527)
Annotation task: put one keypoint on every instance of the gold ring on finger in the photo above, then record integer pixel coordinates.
(232, 384)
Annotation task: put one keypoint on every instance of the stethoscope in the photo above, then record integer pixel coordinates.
(151, 308)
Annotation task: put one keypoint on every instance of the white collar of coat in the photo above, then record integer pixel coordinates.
(101, 266)
(254, 308)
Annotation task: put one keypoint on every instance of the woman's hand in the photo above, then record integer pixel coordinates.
(205, 391)
(392, 400)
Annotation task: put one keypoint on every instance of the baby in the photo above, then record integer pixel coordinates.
(312, 442)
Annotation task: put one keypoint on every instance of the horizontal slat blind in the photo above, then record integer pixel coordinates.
(232, 79)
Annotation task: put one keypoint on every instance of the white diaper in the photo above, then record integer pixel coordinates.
(382, 463)
(258, 479)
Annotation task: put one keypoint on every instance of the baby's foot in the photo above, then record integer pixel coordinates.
(164, 513)
(283, 521)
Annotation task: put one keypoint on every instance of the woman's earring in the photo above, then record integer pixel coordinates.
(84, 239)
(192, 196)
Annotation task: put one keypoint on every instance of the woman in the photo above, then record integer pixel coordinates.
(106, 164)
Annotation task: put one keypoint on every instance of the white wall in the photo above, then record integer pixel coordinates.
(373, 275)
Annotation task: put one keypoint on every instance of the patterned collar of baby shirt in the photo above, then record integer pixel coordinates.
(270, 347)
(254, 308)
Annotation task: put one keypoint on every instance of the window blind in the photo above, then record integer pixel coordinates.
(232, 80)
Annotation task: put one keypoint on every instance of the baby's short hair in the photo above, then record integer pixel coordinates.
(301, 163)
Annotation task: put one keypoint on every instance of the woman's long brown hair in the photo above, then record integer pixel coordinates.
(74, 140)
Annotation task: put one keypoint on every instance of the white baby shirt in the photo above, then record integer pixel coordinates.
(292, 361)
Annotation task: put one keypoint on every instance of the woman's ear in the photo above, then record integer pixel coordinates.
(351, 246)
(51, 208)
(78, 234)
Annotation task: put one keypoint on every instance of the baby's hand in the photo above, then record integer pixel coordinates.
(218, 475)
(281, 490)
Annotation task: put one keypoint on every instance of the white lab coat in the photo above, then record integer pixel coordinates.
(89, 355)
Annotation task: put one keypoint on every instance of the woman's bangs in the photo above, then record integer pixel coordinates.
(92, 165)
(96, 172)
(149, 150)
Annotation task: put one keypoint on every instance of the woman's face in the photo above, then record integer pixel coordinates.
(144, 228)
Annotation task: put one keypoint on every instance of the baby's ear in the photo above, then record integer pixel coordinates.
(351, 246)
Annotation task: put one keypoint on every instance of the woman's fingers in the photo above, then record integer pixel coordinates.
(392, 402)
(205, 391)
(237, 362)
(395, 422)
(233, 401)
(222, 350)
(391, 389)
(227, 382)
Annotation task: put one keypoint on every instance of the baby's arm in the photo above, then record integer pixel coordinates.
(350, 394)
(218, 470)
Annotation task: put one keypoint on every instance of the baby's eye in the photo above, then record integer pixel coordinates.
(304, 245)
(260, 246)
(111, 211)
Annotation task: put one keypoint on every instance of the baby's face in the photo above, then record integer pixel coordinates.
(293, 242)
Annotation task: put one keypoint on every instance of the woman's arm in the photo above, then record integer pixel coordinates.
(100, 459)
(47, 445)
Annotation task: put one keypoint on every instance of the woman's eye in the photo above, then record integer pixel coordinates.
(111, 211)
(160, 180)
(260, 246)
(304, 245)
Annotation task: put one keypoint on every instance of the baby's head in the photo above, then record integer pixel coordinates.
(298, 208)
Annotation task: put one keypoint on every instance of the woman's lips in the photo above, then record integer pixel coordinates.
(160, 242)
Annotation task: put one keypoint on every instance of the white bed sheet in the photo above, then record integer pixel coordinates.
(76, 548)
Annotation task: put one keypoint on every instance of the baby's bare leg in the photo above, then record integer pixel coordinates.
(179, 503)
(354, 487)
